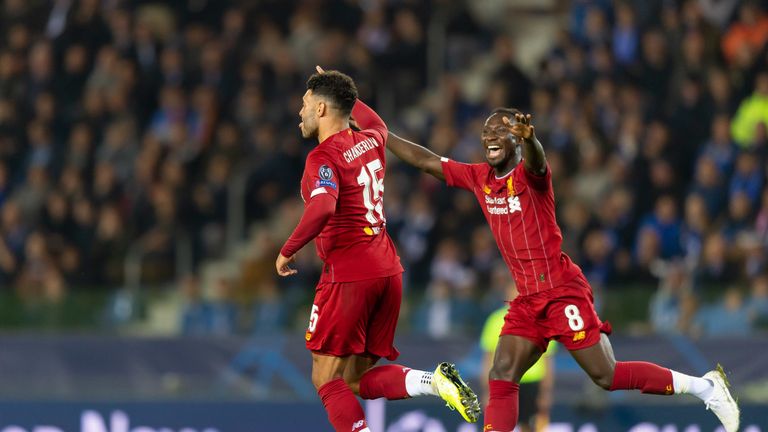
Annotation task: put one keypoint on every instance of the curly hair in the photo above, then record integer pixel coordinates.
(339, 89)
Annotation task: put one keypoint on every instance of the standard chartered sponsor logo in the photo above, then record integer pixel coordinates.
(510, 205)
(495, 200)
(498, 210)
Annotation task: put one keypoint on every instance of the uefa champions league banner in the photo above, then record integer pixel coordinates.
(402, 416)
(278, 367)
(262, 384)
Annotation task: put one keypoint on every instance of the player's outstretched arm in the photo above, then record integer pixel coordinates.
(533, 152)
(416, 155)
(366, 119)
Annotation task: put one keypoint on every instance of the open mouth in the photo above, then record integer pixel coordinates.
(493, 151)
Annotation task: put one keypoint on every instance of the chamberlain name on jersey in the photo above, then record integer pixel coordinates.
(359, 149)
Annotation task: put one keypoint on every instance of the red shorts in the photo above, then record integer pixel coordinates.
(356, 318)
(565, 313)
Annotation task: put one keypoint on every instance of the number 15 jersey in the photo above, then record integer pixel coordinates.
(350, 166)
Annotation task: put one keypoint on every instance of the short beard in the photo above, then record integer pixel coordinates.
(307, 134)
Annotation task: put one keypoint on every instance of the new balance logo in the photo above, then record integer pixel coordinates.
(579, 336)
(358, 425)
(514, 204)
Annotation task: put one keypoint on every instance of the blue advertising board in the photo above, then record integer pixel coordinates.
(400, 416)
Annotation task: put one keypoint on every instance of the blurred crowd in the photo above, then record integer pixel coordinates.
(125, 124)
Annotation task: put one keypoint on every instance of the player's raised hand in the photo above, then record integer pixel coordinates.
(319, 69)
(282, 265)
(522, 126)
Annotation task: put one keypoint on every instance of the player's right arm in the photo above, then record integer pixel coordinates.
(321, 179)
(317, 213)
(535, 161)
(416, 155)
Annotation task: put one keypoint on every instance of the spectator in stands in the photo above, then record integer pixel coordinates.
(747, 177)
(695, 227)
(740, 216)
(757, 304)
(270, 310)
(752, 112)
(715, 268)
(720, 147)
(727, 317)
(39, 278)
(746, 36)
(222, 310)
(447, 311)
(433, 316)
(14, 228)
(194, 313)
(761, 220)
(121, 129)
(598, 263)
(709, 184)
(664, 221)
(666, 307)
(647, 256)
(110, 245)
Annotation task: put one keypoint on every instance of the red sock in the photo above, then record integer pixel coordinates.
(344, 411)
(643, 376)
(501, 412)
(386, 381)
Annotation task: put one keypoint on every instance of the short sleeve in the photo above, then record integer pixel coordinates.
(538, 182)
(459, 174)
(321, 176)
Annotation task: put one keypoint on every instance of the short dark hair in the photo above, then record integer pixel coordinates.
(335, 86)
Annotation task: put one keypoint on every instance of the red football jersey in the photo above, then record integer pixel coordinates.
(350, 166)
(520, 209)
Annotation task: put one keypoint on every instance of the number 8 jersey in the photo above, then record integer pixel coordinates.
(349, 166)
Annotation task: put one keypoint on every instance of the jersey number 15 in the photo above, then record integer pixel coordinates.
(373, 189)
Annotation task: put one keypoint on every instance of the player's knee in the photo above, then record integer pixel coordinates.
(354, 385)
(502, 369)
(603, 379)
(321, 378)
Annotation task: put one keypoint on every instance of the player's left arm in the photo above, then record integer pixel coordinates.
(366, 119)
(535, 161)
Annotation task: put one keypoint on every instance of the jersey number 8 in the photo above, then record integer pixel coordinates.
(575, 322)
(373, 189)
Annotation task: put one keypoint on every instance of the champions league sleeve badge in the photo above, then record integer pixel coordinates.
(326, 174)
